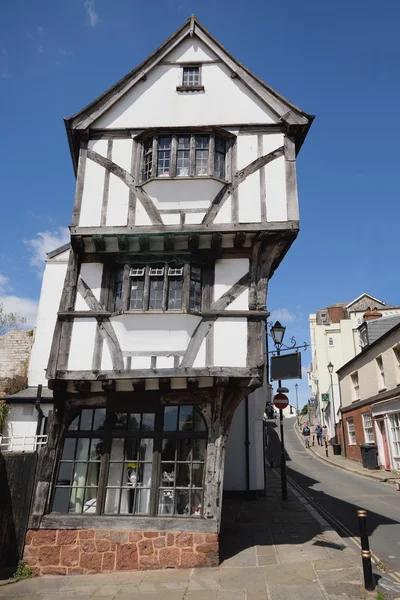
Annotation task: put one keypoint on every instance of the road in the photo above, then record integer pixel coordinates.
(340, 494)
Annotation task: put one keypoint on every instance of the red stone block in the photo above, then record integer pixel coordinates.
(150, 534)
(159, 542)
(170, 539)
(44, 537)
(190, 560)
(198, 538)
(145, 548)
(102, 534)
(135, 536)
(88, 546)
(86, 534)
(66, 538)
(30, 551)
(148, 562)
(70, 556)
(211, 538)
(127, 557)
(53, 571)
(76, 571)
(30, 560)
(49, 556)
(206, 548)
(169, 557)
(28, 537)
(103, 546)
(118, 537)
(108, 561)
(91, 561)
(113, 547)
(184, 539)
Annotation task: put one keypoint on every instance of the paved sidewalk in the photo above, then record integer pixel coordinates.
(351, 466)
(270, 549)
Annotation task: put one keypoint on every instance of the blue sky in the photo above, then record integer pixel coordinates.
(338, 60)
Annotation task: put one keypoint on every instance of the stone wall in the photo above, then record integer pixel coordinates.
(15, 350)
(68, 552)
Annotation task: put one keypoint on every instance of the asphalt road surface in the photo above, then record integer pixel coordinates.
(340, 494)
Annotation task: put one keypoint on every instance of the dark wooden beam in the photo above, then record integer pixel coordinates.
(239, 240)
(144, 243)
(169, 242)
(193, 241)
(138, 374)
(164, 384)
(123, 243)
(193, 383)
(109, 385)
(216, 240)
(82, 386)
(99, 242)
(138, 385)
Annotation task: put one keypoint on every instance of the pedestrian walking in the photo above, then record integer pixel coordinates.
(318, 433)
(325, 435)
(306, 435)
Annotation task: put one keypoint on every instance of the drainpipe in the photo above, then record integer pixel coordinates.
(39, 409)
(247, 444)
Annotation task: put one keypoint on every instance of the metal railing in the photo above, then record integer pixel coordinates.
(22, 443)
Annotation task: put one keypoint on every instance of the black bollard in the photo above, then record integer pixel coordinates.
(326, 449)
(365, 551)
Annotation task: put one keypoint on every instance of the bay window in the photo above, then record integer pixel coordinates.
(149, 463)
(184, 155)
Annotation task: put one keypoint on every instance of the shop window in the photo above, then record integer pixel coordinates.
(110, 462)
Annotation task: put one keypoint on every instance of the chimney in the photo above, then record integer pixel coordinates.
(369, 314)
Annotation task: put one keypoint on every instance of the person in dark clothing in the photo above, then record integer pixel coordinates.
(318, 433)
(306, 435)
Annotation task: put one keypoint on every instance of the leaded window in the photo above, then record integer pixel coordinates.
(159, 287)
(110, 462)
(184, 155)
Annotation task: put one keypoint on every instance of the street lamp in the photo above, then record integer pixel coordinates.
(330, 369)
(277, 334)
(297, 400)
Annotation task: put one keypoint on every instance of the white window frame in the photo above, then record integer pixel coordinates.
(331, 341)
(381, 373)
(394, 424)
(355, 382)
(396, 353)
(188, 85)
(368, 427)
(351, 433)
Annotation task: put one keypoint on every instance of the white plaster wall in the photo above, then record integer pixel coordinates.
(275, 180)
(249, 189)
(91, 273)
(200, 360)
(235, 461)
(19, 424)
(52, 285)
(230, 342)
(118, 193)
(227, 272)
(257, 402)
(82, 345)
(155, 102)
(182, 193)
(191, 50)
(92, 196)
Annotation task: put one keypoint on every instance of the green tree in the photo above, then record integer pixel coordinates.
(304, 410)
(9, 321)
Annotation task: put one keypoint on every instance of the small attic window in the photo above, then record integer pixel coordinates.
(191, 76)
(191, 79)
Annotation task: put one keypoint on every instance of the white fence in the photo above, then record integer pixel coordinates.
(22, 443)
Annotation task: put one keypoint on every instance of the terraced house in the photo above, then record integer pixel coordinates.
(185, 205)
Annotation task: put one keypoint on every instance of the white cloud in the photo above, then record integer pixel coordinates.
(45, 241)
(23, 307)
(90, 7)
(65, 52)
(283, 315)
(4, 282)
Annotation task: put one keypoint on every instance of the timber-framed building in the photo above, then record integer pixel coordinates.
(185, 204)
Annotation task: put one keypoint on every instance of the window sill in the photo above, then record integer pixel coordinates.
(156, 312)
(382, 390)
(129, 522)
(183, 178)
(190, 88)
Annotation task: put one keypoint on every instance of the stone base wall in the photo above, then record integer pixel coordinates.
(69, 552)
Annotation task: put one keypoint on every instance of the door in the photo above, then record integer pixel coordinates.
(382, 429)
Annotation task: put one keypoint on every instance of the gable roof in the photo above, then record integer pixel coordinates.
(368, 296)
(58, 250)
(296, 120)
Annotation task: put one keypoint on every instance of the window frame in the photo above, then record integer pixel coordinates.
(149, 140)
(123, 297)
(351, 432)
(158, 435)
(188, 67)
(368, 429)
(381, 373)
(355, 383)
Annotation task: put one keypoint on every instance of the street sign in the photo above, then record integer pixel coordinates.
(281, 401)
(325, 397)
(285, 366)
